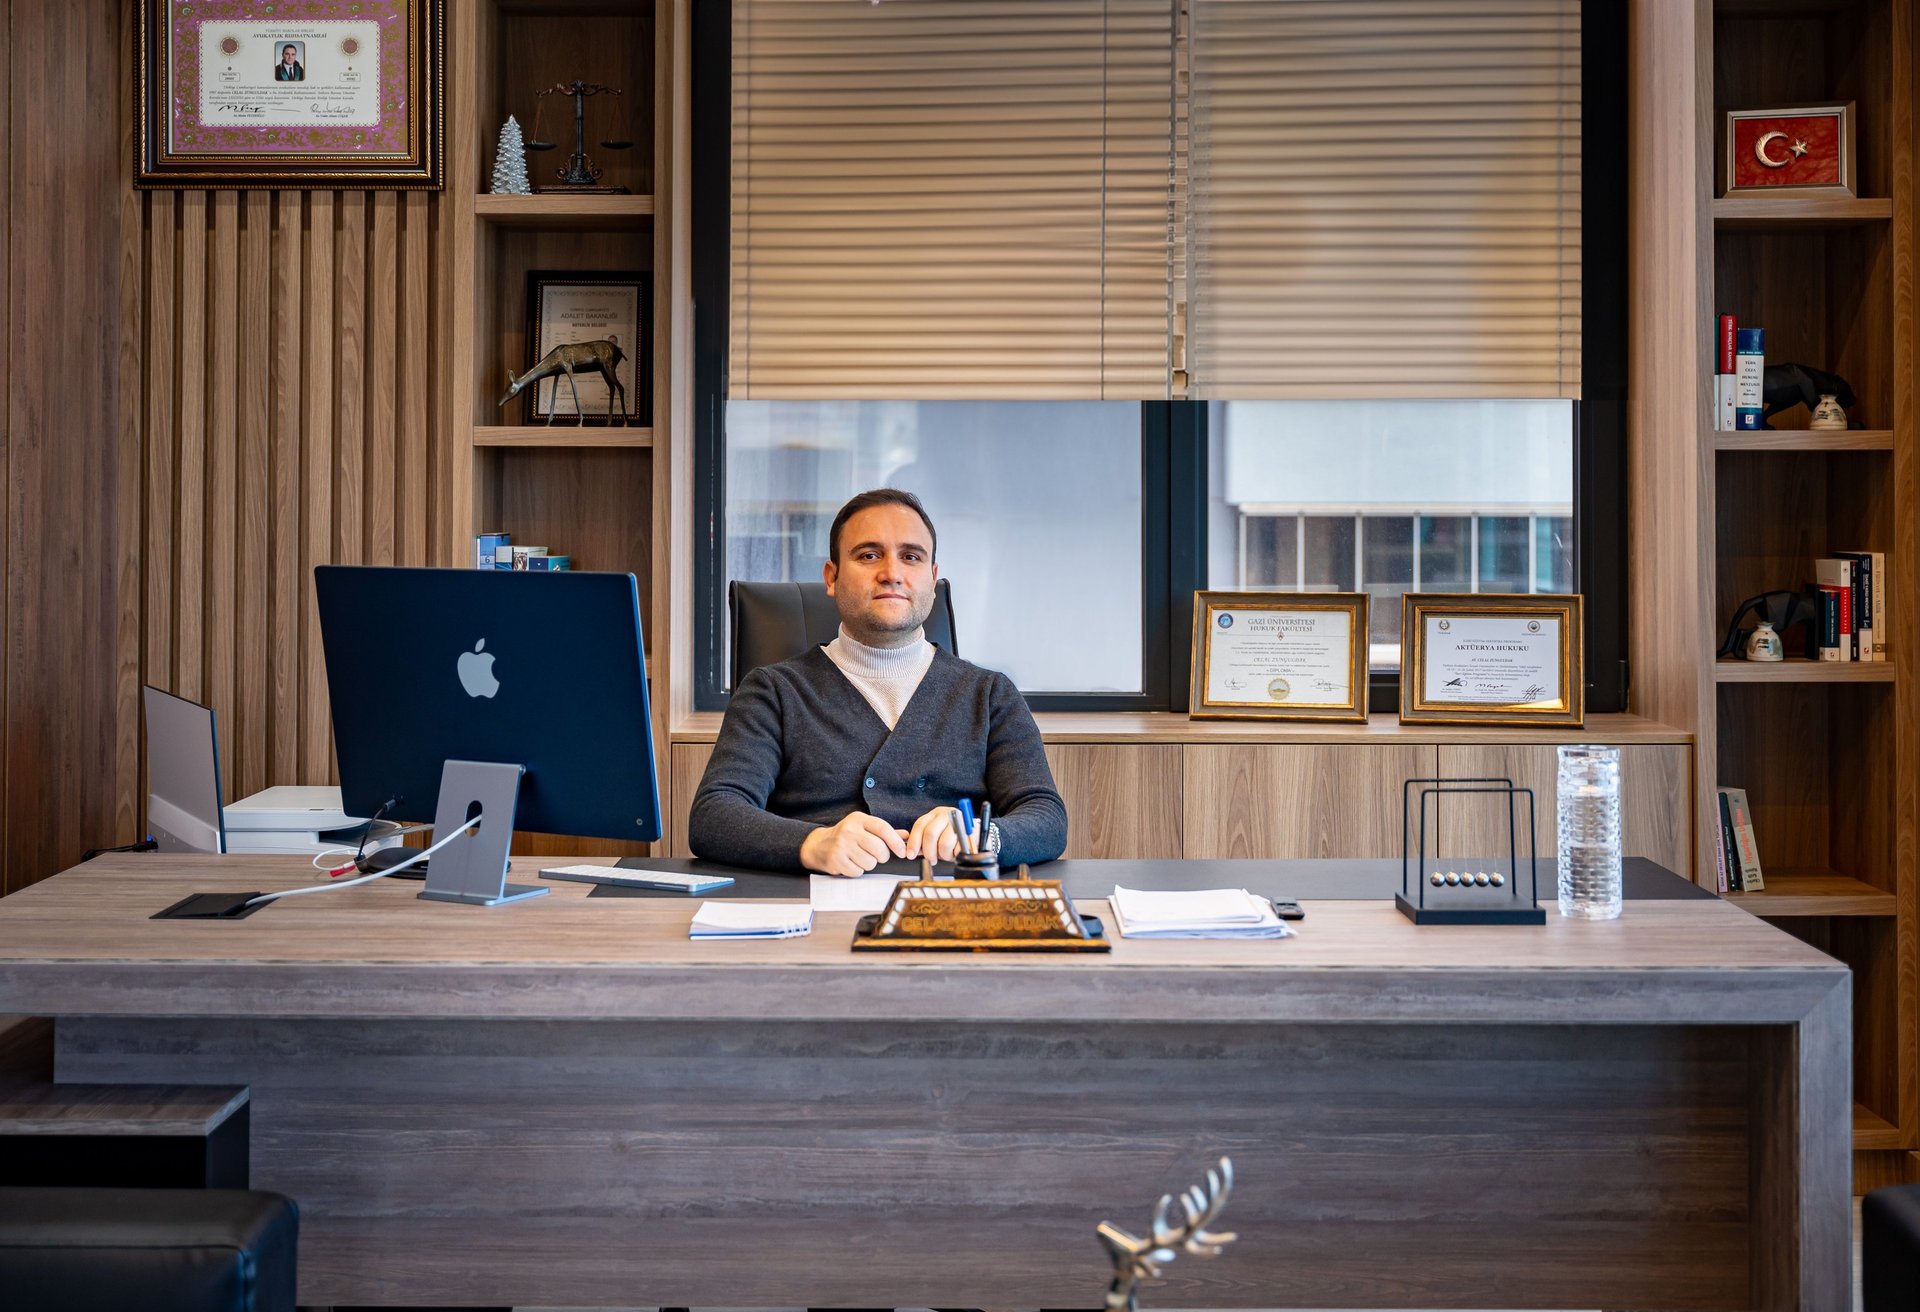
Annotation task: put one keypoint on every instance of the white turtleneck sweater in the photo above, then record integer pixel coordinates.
(885, 676)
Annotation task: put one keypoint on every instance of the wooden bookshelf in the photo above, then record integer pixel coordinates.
(560, 212)
(538, 435)
(1830, 763)
(1828, 753)
(1796, 213)
(1806, 439)
(1798, 669)
(588, 491)
(1816, 893)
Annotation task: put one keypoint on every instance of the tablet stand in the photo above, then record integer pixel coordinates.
(473, 867)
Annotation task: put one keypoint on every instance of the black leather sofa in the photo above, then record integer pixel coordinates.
(156, 1250)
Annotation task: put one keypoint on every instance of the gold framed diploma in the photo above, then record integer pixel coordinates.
(1279, 656)
(1492, 659)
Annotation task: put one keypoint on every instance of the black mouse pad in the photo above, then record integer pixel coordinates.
(211, 906)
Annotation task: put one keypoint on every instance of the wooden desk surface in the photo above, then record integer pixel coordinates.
(566, 1101)
(82, 943)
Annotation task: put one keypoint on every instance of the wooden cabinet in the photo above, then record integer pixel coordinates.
(1203, 790)
(1654, 819)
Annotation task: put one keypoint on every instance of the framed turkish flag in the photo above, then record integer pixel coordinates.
(1801, 150)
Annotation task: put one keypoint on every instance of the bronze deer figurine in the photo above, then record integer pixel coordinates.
(569, 358)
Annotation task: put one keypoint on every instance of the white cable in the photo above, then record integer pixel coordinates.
(346, 852)
(414, 860)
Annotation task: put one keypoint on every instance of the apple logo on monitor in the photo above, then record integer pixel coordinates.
(476, 671)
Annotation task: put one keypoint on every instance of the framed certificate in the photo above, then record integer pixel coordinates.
(297, 93)
(568, 306)
(1491, 658)
(1279, 656)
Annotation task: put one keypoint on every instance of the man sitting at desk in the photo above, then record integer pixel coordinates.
(856, 751)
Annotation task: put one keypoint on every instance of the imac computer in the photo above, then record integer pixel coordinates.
(501, 698)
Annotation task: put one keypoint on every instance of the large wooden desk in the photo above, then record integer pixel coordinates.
(566, 1101)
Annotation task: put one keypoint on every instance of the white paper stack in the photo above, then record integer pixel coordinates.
(751, 920)
(867, 893)
(1202, 913)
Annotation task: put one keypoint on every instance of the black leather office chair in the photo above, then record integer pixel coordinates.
(159, 1250)
(774, 622)
(1890, 1249)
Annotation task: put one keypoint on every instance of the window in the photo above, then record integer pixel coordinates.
(1037, 505)
(1391, 497)
(1094, 245)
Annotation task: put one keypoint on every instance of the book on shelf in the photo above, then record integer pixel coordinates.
(1723, 377)
(1734, 884)
(1869, 602)
(1745, 851)
(1838, 574)
(1719, 851)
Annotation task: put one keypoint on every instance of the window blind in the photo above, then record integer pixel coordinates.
(936, 199)
(1385, 198)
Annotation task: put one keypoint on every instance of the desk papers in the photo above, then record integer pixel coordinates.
(751, 920)
(867, 893)
(1203, 913)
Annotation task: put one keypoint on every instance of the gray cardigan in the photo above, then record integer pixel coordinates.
(800, 748)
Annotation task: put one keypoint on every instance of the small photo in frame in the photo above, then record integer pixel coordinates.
(1795, 151)
(590, 336)
(1491, 658)
(1279, 656)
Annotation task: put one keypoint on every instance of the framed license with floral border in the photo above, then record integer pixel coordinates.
(291, 94)
(1279, 656)
(1492, 658)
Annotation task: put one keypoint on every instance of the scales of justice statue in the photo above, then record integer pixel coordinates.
(580, 174)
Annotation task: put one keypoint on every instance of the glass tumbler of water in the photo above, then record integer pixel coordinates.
(1589, 807)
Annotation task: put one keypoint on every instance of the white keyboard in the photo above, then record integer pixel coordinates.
(664, 880)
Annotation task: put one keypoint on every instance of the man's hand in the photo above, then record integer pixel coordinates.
(854, 846)
(934, 836)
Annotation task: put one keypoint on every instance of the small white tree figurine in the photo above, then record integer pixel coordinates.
(510, 162)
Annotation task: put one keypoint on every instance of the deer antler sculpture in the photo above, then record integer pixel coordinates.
(1138, 1259)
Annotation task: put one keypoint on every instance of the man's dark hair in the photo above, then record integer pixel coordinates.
(880, 496)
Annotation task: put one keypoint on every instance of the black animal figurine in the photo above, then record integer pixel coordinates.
(1782, 608)
(1784, 386)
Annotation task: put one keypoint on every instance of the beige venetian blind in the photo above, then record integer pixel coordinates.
(952, 199)
(1385, 198)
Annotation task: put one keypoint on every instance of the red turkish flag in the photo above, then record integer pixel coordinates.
(1768, 152)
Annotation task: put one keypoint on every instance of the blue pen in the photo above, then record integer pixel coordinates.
(966, 819)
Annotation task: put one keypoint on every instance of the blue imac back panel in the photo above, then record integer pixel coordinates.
(547, 671)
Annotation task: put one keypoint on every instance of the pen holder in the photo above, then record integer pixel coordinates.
(976, 865)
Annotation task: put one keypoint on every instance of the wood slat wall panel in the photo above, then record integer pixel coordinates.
(284, 421)
(316, 739)
(222, 489)
(251, 618)
(285, 593)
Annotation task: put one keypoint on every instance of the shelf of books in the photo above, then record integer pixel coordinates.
(1811, 751)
